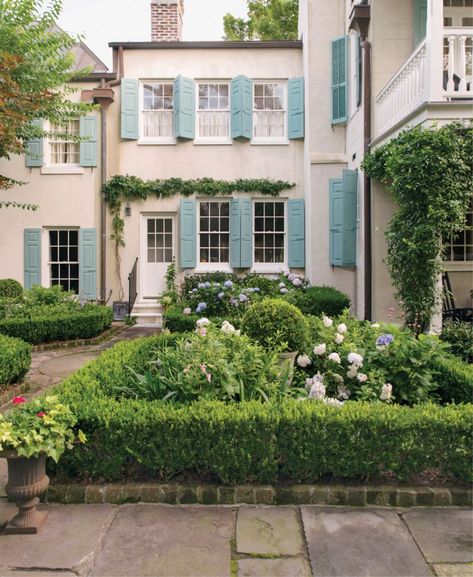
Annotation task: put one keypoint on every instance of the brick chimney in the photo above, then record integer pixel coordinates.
(166, 20)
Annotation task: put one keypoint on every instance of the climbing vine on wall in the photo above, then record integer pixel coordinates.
(430, 175)
(126, 188)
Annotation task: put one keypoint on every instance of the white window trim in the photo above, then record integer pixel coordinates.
(270, 140)
(152, 140)
(352, 74)
(213, 140)
(49, 168)
(269, 267)
(202, 267)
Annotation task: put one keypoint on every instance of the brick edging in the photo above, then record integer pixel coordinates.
(179, 494)
(106, 335)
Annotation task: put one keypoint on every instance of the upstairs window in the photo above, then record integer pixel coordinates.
(157, 110)
(213, 111)
(214, 232)
(63, 149)
(269, 110)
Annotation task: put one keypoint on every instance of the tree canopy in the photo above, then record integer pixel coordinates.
(36, 63)
(267, 20)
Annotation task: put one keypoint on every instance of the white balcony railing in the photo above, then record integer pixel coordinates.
(414, 82)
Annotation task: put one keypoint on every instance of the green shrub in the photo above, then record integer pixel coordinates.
(272, 322)
(39, 295)
(15, 360)
(84, 323)
(178, 322)
(192, 281)
(318, 300)
(10, 289)
(454, 379)
(460, 338)
(268, 286)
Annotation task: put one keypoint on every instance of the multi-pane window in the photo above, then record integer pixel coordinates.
(214, 235)
(159, 239)
(64, 259)
(63, 148)
(213, 115)
(460, 245)
(157, 110)
(269, 110)
(269, 232)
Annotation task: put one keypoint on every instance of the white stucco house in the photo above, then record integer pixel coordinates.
(302, 111)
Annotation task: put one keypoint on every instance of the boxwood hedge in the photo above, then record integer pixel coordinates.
(253, 442)
(318, 300)
(15, 360)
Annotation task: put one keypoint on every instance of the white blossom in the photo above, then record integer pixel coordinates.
(338, 378)
(202, 322)
(355, 359)
(187, 311)
(343, 392)
(297, 282)
(333, 402)
(317, 391)
(375, 325)
(342, 328)
(362, 377)
(237, 333)
(282, 285)
(303, 361)
(327, 321)
(320, 349)
(335, 357)
(227, 327)
(386, 392)
(339, 338)
(352, 372)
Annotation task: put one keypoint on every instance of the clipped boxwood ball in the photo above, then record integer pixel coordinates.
(274, 321)
(10, 289)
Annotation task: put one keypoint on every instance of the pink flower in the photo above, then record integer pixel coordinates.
(41, 414)
(18, 400)
(209, 377)
(203, 369)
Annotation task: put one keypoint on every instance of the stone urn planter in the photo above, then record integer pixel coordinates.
(27, 480)
(286, 362)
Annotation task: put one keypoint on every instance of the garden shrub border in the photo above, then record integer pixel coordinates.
(15, 360)
(252, 442)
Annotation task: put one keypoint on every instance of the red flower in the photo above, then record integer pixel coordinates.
(19, 400)
(41, 414)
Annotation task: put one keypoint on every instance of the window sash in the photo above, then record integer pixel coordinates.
(63, 150)
(64, 259)
(459, 247)
(214, 232)
(269, 109)
(157, 109)
(269, 233)
(213, 110)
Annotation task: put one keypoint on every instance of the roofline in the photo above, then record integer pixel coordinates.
(85, 48)
(94, 77)
(232, 44)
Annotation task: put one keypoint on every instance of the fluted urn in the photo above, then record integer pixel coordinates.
(27, 480)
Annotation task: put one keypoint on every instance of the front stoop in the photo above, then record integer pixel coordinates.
(148, 312)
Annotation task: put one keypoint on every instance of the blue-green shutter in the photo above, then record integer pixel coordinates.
(88, 148)
(88, 263)
(350, 202)
(246, 224)
(34, 148)
(339, 80)
(420, 21)
(129, 95)
(235, 233)
(296, 233)
(295, 108)
(184, 108)
(187, 223)
(358, 69)
(336, 222)
(242, 107)
(32, 257)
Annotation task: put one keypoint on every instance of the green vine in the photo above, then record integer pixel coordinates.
(429, 173)
(125, 188)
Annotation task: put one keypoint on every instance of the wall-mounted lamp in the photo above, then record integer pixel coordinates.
(127, 209)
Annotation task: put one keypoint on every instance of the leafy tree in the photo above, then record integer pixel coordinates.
(36, 63)
(267, 20)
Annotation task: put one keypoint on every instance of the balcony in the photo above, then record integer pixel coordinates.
(434, 72)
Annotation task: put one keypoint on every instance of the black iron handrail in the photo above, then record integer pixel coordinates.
(132, 293)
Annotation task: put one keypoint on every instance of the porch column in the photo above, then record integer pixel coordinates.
(434, 38)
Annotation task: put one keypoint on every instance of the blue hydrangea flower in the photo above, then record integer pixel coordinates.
(228, 284)
(201, 307)
(234, 302)
(201, 285)
(206, 284)
(220, 295)
(384, 340)
(194, 290)
(243, 298)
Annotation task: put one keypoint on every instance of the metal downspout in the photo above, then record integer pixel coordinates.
(368, 268)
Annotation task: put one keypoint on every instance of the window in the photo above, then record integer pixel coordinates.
(214, 232)
(459, 248)
(159, 240)
(269, 110)
(157, 110)
(62, 148)
(269, 232)
(64, 259)
(213, 111)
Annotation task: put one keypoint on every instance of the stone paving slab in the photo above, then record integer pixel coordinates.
(7, 510)
(68, 539)
(444, 536)
(360, 543)
(453, 570)
(165, 541)
(62, 366)
(294, 567)
(269, 531)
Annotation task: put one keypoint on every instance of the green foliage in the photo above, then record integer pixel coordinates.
(429, 173)
(15, 360)
(274, 322)
(460, 338)
(267, 20)
(11, 289)
(192, 281)
(318, 300)
(454, 379)
(178, 322)
(58, 323)
(43, 425)
(38, 295)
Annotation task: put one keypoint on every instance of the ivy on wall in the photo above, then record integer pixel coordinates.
(120, 189)
(430, 175)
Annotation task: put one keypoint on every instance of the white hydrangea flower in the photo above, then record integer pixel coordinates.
(202, 322)
(333, 402)
(237, 333)
(187, 311)
(375, 325)
(386, 392)
(342, 328)
(303, 361)
(362, 377)
(339, 338)
(338, 378)
(297, 282)
(320, 349)
(282, 285)
(291, 277)
(317, 391)
(327, 321)
(335, 357)
(343, 392)
(318, 378)
(352, 372)
(355, 359)
(227, 327)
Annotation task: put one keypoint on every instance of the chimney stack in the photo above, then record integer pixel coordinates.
(166, 20)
